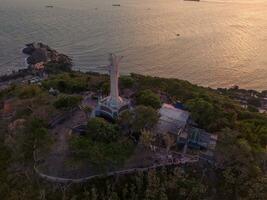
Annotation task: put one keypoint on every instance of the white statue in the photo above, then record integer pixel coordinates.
(115, 99)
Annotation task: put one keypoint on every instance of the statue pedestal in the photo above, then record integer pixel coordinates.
(107, 107)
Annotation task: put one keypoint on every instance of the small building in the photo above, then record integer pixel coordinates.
(176, 121)
(264, 103)
(39, 66)
(35, 80)
(8, 110)
(172, 119)
(179, 105)
(201, 140)
(53, 91)
(197, 138)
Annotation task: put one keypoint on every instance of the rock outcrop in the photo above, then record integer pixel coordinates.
(41, 58)
(39, 52)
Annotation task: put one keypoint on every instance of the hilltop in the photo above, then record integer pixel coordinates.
(37, 117)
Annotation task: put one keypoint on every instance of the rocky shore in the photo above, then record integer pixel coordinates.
(41, 58)
(39, 52)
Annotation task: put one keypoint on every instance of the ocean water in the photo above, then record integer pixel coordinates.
(221, 43)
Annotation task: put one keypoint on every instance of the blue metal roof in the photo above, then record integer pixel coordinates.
(179, 105)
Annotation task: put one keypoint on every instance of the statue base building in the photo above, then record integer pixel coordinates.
(106, 108)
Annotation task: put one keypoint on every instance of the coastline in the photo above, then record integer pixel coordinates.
(101, 71)
(105, 73)
(42, 55)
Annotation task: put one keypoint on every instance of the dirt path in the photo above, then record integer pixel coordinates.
(58, 162)
(55, 164)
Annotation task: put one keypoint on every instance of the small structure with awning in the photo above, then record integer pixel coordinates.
(172, 119)
(199, 139)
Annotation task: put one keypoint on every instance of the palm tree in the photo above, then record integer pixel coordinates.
(147, 138)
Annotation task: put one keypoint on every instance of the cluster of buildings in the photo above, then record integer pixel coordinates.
(263, 109)
(174, 120)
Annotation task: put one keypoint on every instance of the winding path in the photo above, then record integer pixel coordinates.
(122, 172)
(55, 167)
(55, 164)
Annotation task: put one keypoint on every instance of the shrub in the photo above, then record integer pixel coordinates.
(29, 91)
(140, 118)
(67, 83)
(34, 136)
(202, 111)
(126, 82)
(54, 68)
(252, 108)
(102, 146)
(148, 98)
(102, 156)
(22, 112)
(66, 102)
(100, 130)
(254, 102)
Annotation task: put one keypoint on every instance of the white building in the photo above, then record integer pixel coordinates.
(171, 119)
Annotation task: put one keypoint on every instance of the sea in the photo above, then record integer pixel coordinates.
(214, 43)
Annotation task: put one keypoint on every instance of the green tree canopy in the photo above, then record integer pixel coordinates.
(29, 91)
(67, 83)
(101, 130)
(240, 171)
(34, 136)
(103, 145)
(55, 68)
(148, 98)
(202, 111)
(253, 101)
(140, 118)
(66, 102)
(126, 82)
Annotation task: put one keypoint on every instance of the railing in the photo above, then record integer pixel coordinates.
(60, 118)
(190, 159)
(122, 172)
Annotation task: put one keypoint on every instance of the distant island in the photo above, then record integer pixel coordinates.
(74, 135)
